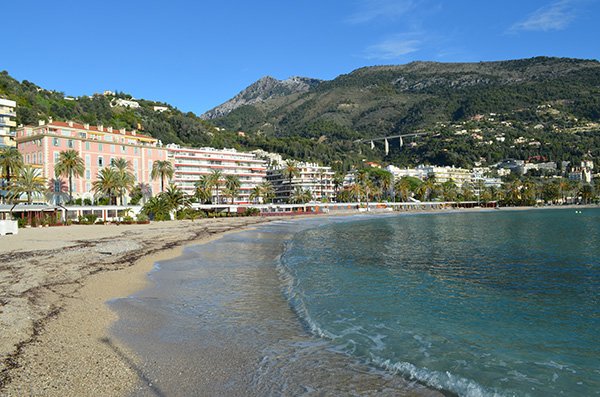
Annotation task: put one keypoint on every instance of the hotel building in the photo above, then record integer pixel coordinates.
(312, 177)
(98, 146)
(7, 122)
(192, 163)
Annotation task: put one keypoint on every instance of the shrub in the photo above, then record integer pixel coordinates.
(128, 219)
(142, 217)
(87, 201)
(22, 222)
(251, 211)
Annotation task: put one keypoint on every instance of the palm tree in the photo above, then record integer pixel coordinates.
(403, 186)
(215, 181)
(449, 190)
(301, 196)
(11, 161)
(28, 182)
(356, 191)
(69, 164)
(321, 173)
(267, 191)
(157, 208)
(587, 193)
(338, 181)
(57, 191)
(126, 177)
(291, 171)
(142, 191)
(203, 189)
(162, 169)
(232, 186)
(175, 198)
(256, 193)
(107, 183)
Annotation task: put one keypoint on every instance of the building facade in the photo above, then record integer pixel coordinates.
(192, 163)
(98, 146)
(317, 179)
(7, 122)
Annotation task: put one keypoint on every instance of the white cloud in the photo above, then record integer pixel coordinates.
(555, 16)
(393, 48)
(378, 9)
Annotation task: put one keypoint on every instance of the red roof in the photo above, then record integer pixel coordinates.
(95, 128)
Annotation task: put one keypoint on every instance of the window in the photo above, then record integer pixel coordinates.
(70, 143)
(123, 149)
(87, 146)
(88, 186)
(65, 133)
(100, 147)
(100, 161)
(88, 160)
(112, 161)
(56, 157)
(88, 174)
(135, 150)
(112, 148)
(55, 142)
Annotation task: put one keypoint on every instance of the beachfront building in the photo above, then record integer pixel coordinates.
(98, 146)
(317, 179)
(192, 163)
(7, 122)
(459, 176)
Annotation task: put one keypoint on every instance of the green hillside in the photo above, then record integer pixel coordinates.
(473, 113)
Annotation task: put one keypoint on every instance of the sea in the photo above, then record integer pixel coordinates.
(486, 303)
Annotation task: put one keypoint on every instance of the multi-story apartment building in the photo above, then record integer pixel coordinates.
(7, 122)
(312, 177)
(98, 146)
(460, 176)
(191, 163)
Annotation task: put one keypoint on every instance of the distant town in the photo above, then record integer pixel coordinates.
(71, 162)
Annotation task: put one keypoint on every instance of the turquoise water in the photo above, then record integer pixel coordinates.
(478, 304)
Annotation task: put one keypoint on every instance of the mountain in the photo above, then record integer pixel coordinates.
(472, 113)
(262, 90)
(440, 98)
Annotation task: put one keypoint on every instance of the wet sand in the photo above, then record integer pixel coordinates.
(54, 284)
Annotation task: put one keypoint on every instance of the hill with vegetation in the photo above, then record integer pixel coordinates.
(473, 113)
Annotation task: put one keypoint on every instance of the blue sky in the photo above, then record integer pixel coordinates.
(197, 54)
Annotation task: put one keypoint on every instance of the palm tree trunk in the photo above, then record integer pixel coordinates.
(70, 188)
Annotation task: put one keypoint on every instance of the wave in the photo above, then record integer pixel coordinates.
(443, 381)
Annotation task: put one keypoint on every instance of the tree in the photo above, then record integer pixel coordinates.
(126, 178)
(11, 161)
(587, 193)
(203, 189)
(291, 171)
(406, 186)
(69, 164)
(141, 192)
(356, 191)
(338, 182)
(267, 191)
(215, 182)
(28, 182)
(162, 169)
(175, 198)
(449, 190)
(232, 186)
(300, 196)
(157, 208)
(256, 194)
(107, 183)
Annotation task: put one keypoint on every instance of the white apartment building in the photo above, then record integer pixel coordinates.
(7, 122)
(460, 176)
(312, 177)
(191, 163)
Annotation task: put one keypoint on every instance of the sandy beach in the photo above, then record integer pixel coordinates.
(54, 285)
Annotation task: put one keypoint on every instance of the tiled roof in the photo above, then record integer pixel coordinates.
(95, 129)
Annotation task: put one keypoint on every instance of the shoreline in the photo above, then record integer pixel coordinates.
(69, 350)
(64, 350)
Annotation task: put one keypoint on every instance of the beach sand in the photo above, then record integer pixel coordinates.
(54, 284)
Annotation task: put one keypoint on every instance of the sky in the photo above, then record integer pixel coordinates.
(196, 55)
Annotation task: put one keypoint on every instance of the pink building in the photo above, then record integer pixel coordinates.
(97, 145)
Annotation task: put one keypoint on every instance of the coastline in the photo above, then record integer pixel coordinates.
(64, 346)
(55, 334)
